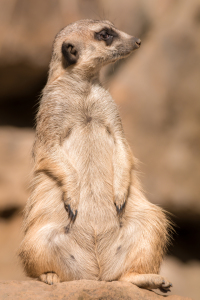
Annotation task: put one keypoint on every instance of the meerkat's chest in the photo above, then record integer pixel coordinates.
(89, 142)
(89, 124)
(89, 147)
(96, 108)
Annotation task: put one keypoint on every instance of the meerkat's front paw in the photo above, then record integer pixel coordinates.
(121, 192)
(120, 202)
(71, 207)
(71, 212)
(50, 278)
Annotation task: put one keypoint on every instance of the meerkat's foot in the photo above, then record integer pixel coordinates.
(50, 278)
(148, 281)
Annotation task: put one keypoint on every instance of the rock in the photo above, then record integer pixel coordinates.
(28, 29)
(80, 290)
(158, 93)
(15, 167)
(10, 238)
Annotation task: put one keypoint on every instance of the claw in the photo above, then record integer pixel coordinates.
(165, 287)
(72, 215)
(165, 290)
(120, 208)
(117, 208)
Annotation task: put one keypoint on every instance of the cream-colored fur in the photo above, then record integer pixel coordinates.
(86, 217)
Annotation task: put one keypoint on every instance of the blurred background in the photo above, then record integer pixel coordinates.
(157, 90)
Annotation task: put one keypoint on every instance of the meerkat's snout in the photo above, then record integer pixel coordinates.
(137, 43)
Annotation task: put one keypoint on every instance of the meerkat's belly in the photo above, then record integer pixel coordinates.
(90, 150)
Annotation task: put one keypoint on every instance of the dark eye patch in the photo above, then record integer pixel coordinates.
(107, 35)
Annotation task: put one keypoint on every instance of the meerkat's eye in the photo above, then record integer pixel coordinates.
(106, 35)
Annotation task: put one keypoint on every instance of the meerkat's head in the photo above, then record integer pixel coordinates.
(87, 45)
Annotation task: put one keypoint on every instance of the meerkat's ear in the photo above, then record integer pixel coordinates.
(70, 53)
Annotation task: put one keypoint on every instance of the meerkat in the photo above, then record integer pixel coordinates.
(87, 217)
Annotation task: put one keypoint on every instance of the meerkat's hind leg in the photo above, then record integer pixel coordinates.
(50, 278)
(148, 281)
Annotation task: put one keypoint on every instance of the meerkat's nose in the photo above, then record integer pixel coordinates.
(138, 42)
